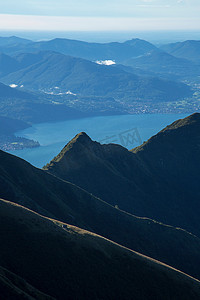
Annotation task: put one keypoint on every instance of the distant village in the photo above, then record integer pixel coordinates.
(11, 142)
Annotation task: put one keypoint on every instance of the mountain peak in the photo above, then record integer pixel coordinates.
(80, 138)
(78, 144)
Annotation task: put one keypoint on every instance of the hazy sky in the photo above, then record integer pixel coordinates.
(101, 15)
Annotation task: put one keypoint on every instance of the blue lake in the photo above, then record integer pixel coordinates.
(127, 130)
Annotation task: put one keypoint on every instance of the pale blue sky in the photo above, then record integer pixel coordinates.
(100, 15)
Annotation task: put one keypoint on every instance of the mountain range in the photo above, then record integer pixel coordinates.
(72, 73)
(47, 70)
(187, 50)
(99, 221)
(99, 51)
(58, 199)
(91, 51)
(165, 65)
(158, 178)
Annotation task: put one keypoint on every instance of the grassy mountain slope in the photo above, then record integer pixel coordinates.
(159, 180)
(90, 79)
(67, 262)
(31, 187)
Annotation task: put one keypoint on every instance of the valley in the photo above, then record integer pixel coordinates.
(99, 170)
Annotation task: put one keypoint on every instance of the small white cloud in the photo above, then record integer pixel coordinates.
(21, 86)
(107, 62)
(13, 85)
(70, 93)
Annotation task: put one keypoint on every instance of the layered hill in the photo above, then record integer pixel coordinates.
(165, 64)
(187, 49)
(159, 179)
(63, 261)
(92, 51)
(48, 70)
(52, 197)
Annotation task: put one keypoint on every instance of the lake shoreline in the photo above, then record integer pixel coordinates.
(127, 130)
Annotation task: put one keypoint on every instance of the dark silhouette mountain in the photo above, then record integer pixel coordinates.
(163, 63)
(159, 179)
(86, 78)
(189, 50)
(13, 287)
(66, 262)
(36, 189)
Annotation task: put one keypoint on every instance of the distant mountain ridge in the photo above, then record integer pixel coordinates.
(188, 50)
(92, 51)
(165, 64)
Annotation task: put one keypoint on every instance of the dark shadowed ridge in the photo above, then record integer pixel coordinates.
(13, 287)
(66, 262)
(159, 179)
(50, 196)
